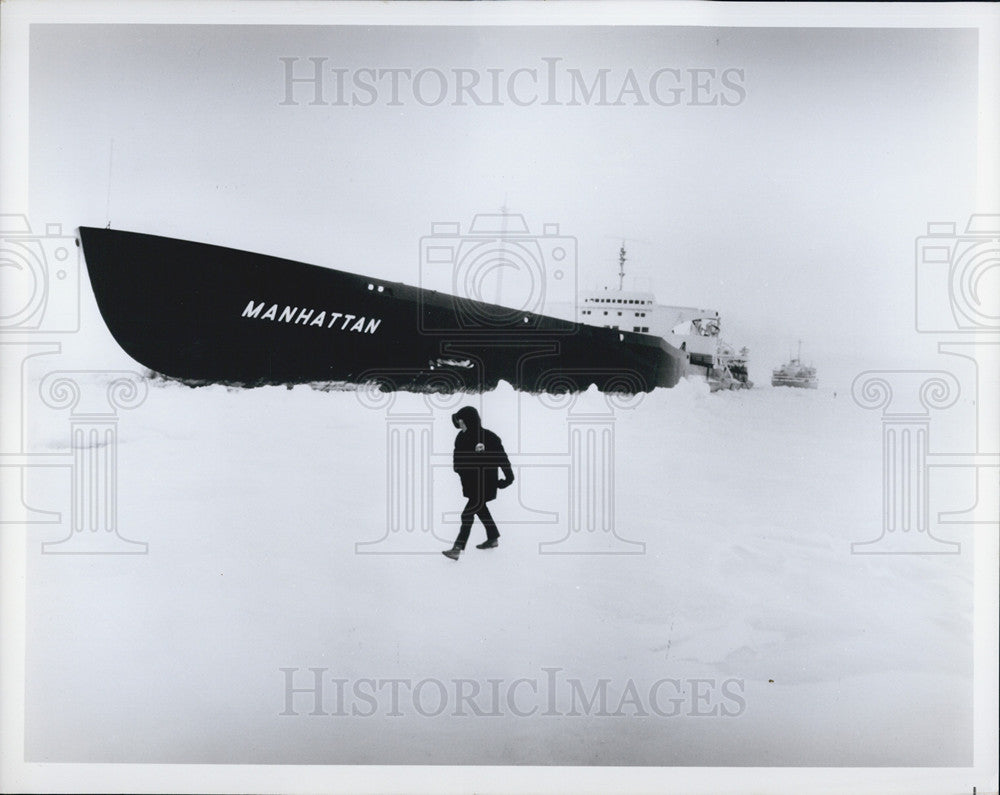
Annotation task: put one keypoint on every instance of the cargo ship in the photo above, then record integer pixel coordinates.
(795, 374)
(206, 314)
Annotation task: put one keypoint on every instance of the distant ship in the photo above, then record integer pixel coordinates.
(206, 314)
(693, 330)
(794, 373)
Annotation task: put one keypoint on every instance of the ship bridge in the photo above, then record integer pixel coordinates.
(690, 328)
(626, 311)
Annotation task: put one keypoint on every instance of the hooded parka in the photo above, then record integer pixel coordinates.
(478, 469)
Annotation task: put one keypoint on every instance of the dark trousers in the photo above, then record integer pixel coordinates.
(474, 508)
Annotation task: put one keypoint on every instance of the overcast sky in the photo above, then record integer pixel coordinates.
(791, 205)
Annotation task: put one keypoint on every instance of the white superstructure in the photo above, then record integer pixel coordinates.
(689, 328)
(693, 330)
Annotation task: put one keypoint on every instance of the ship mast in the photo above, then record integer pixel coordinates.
(621, 267)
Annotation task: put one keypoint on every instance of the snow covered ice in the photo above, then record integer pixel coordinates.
(772, 643)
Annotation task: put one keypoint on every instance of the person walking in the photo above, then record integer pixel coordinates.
(478, 455)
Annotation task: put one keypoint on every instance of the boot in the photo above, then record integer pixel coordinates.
(489, 543)
(452, 553)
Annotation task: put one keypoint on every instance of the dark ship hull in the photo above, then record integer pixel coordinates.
(207, 314)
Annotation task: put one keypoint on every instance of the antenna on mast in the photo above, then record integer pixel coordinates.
(622, 255)
(621, 267)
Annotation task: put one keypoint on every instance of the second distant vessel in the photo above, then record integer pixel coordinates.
(794, 373)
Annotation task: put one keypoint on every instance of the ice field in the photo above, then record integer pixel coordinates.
(739, 629)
